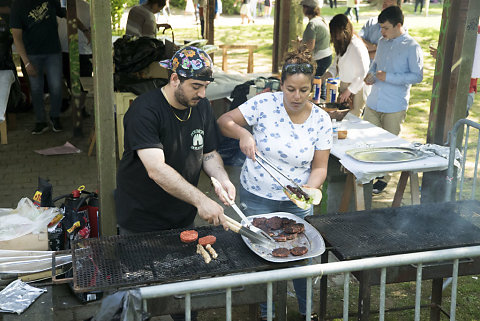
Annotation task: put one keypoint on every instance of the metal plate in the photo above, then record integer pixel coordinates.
(386, 154)
(311, 238)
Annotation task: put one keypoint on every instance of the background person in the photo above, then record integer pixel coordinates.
(35, 34)
(397, 65)
(350, 64)
(141, 20)
(170, 136)
(316, 37)
(290, 131)
(370, 32)
(352, 4)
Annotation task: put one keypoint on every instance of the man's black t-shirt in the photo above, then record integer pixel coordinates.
(141, 204)
(38, 20)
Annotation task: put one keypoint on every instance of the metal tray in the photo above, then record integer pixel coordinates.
(386, 154)
(311, 238)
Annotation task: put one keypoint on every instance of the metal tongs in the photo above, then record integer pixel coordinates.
(246, 221)
(264, 160)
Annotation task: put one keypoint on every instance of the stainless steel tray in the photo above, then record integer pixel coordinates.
(386, 154)
(311, 238)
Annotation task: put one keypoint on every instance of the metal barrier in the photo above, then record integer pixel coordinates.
(311, 271)
(456, 183)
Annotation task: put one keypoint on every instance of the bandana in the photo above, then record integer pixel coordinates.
(189, 62)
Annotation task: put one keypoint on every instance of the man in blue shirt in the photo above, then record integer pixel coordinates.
(397, 65)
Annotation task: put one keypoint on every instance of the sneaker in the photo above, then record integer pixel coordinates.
(40, 128)
(56, 125)
(378, 187)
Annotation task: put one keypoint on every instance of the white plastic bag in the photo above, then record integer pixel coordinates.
(25, 219)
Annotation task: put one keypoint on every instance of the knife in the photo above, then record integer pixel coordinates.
(252, 228)
(252, 236)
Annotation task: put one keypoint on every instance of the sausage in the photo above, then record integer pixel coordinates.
(212, 251)
(209, 239)
(203, 253)
(189, 236)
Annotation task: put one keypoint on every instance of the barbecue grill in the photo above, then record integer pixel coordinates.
(401, 230)
(126, 261)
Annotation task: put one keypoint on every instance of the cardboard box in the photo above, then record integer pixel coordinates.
(30, 242)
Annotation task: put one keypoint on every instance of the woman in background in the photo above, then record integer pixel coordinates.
(350, 64)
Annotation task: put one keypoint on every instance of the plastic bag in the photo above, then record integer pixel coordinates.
(18, 296)
(25, 219)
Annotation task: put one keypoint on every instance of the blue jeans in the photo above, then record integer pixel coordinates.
(322, 66)
(252, 204)
(51, 66)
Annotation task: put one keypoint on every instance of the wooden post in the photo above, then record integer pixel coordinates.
(453, 68)
(209, 22)
(74, 57)
(104, 112)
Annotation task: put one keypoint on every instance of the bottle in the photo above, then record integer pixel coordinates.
(334, 131)
(317, 86)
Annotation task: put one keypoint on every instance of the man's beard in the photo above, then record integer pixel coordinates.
(180, 97)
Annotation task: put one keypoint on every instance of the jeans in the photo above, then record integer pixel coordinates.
(322, 66)
(51, 66)
(252, 204)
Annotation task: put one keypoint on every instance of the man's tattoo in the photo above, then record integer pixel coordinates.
(208, 157)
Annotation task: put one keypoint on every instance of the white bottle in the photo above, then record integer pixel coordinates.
(334, 130)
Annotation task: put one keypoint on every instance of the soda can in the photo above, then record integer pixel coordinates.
(317, 86)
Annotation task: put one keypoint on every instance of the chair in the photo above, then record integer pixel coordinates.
(122, 101)
(459, 186)
(250, 55)
(6, 80)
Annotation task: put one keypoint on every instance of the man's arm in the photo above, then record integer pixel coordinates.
(173, 183)
(20, 47)
(213, 167)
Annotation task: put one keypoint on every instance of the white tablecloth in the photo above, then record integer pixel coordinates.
(363, 134)
(6, 80)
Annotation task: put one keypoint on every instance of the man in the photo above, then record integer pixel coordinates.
(397, 65)
(34, 30)
(141, 19)
(170, 135)
(370, 32)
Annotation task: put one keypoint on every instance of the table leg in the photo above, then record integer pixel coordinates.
(347, 194)
(359, 197)
(322, 313)
(364, 296)
(436, 300)
(414, 188)
(402, 183)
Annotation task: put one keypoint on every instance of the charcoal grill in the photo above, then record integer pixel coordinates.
(153, 258)
(401, 230)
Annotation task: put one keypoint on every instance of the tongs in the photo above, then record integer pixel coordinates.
(285, 188)
(246, 221)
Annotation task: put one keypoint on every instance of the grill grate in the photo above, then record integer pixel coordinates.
(400, 230)
(140, 259)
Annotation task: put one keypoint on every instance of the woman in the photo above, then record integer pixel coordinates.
(141, 20)
(317, 39)
(350, 64)
(292, 133)
(352, 4)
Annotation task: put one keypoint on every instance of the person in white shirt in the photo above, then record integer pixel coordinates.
(350, 64)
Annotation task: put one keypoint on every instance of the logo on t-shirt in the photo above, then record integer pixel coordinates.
(39, 13)
(197, 139)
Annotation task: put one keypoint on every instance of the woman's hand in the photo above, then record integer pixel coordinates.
(344, 96)
(31, 70)
(247, 145)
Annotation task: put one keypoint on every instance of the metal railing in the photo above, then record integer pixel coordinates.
(457, 182)
(311, 271)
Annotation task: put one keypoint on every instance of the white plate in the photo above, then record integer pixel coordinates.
(311, 239)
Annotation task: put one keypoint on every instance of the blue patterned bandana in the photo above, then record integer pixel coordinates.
(189, 62)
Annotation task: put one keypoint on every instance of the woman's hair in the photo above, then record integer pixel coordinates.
(298, 60)
(341, 32)
(311, 12)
